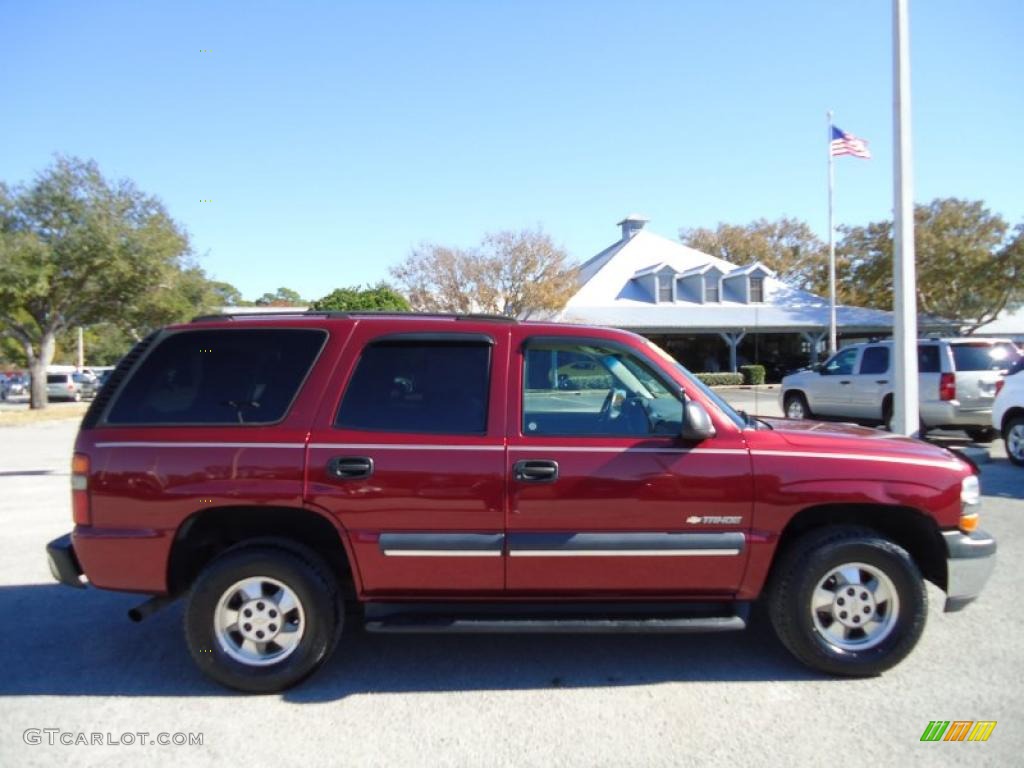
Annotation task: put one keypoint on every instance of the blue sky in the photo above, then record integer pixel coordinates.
(333, 137)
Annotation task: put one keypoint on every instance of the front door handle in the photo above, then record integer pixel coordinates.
(350, 467)
(844, 383)
(536, 471)
(881, 381)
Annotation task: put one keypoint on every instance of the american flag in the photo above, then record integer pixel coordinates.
(847, 144)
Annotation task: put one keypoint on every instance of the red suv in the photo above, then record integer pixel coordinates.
(289, 474)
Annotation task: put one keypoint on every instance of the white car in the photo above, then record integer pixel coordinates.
(958, 381)
(1008, 414)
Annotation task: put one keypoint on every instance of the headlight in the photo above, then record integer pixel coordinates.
(970, 498)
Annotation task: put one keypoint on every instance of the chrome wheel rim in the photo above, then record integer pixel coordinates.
(854, 607)
(1015, 441)
(795, 409)
(259, 621)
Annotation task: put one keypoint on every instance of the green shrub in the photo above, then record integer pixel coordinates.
(752, 374)
(721, 379)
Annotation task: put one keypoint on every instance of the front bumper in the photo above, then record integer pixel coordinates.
(60, 554)
(969, 563)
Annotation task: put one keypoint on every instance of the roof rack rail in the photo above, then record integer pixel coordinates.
(479, 317)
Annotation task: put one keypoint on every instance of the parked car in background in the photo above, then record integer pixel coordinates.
(958, 382)
(16, 385)
(70, 386)
(1008, 414)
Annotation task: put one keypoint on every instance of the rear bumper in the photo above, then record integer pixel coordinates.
(969, 563)
(952, 414)
(64, 565)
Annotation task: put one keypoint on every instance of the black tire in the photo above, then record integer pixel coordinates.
(982, 434)
(796, 398)
(807, 562)
(1014, 426)
(302, 572)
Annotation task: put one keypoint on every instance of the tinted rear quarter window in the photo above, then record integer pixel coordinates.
(419, 387)
(56, 378)
(245, 376)
(928, 359)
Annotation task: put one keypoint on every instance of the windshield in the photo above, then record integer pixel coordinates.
(727, 409)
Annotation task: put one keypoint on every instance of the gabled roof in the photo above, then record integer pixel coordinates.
(750, 269)
(653, 269)
(700, 270)
(609, 295)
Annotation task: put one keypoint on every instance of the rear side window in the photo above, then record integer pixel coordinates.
(421, 387)
(979, 357)
(247, 376)
(875, 360)
(928, 359)
(56, 378)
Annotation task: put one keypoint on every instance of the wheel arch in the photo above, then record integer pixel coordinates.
(911, 529)
(209, 532)
(1016, 412)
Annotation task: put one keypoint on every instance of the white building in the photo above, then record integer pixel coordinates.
(709, 313)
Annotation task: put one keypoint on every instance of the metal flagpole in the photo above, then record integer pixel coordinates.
(904, 278)
(831, 247)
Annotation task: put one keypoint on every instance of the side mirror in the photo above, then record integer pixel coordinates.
(697, 423)
(818, 368)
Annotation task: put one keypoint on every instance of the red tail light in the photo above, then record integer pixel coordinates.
(80, 489)
(999, 385)
(947, 387)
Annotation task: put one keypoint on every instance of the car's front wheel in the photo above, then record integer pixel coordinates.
(262, 618)
(796, 406)
(1013, 436)
(848, 601)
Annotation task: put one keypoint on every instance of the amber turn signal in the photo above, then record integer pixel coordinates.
(969, 522)
(80, 464)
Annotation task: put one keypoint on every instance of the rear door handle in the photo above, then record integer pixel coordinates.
(881, 381)
(845, 382)
(350, 467)
(536, 471)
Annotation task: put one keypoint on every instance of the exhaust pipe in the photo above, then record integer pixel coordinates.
(151, 606)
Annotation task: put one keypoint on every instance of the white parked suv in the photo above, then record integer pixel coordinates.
(959, 379)
(1008, 414)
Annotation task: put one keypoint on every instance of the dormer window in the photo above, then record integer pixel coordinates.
(711, 293)
(665, 288)
(756, 290)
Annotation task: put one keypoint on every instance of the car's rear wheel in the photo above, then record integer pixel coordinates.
(1013, 436)
(982, 434)
(795, 406)
(262, 618)
(847, 601)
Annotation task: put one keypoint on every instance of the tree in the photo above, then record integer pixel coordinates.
(787, 246)
(371, 298)
(282, 297)
(967, 269)
(516, 274)
(78, 249)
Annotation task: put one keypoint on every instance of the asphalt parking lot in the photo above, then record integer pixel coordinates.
(71, 660)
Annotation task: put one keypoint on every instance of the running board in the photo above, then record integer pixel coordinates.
(674, 619)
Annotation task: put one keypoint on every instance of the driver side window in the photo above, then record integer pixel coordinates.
(581, 389)
(841, 363)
